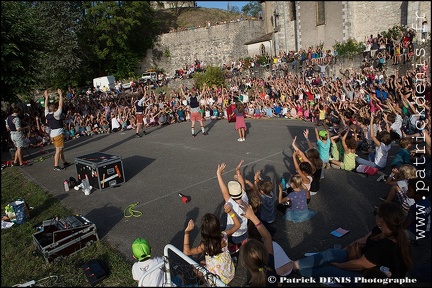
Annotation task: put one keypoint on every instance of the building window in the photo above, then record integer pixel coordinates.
(292, 11)
(320, 13)
(262, 49)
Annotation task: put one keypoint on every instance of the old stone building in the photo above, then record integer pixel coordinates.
(302, 24)
(215, 45)
(285, 26)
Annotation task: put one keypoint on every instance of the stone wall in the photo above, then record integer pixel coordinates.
(215, 45)
(343, 20)
(224, 43)
(370, 17)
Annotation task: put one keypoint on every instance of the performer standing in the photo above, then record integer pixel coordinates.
(13, 124)
(54, 118)
(139, 113)
(240, 124)
(195, 114)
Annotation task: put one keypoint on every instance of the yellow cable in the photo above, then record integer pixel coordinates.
(131, 211)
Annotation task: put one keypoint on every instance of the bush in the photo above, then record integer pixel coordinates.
(211, 76)
(349, 48)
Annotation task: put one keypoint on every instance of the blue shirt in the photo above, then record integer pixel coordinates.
(381, 94)
(324, 150)
(402, 157)
(277, 109)
(267, 208)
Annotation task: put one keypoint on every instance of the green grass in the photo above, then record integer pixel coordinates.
(20, 265)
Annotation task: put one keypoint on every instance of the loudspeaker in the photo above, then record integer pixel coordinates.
(95, 271)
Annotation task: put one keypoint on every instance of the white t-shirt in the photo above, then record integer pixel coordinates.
(207, 114)
(235, 207)
(245, 98)
(425, 27)
(381, 154)
(403, 185)
(115, 123)
(155, 278)
(280, 257)
(397, 125)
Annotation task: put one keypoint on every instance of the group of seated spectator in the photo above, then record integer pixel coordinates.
(355, 94)
(382, 50)
(362, 111)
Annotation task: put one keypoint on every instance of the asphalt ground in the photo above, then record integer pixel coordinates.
(169, 161)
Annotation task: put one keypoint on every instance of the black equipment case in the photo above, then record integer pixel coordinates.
(61, 237)
(102, 170)
(95, 271)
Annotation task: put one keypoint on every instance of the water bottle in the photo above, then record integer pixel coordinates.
(86, 186)
(66, 185)
(283, 182)
(386, 271)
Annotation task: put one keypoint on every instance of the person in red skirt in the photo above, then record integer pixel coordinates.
(240, 124)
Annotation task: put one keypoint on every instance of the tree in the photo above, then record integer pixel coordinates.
(234, 9)
(49, 44)
(61, 62)
(23, 38)
(253, 8)
(349, 48)
(117, 36)
(212, 76)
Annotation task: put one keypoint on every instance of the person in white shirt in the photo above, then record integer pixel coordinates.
(234, 194)
(115, 123)
(425, 30)
(142, 252)
(382, 147)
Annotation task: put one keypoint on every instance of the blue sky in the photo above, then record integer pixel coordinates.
(221, 4)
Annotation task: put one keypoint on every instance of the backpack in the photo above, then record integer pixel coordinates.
(18, 211)
(369, 170)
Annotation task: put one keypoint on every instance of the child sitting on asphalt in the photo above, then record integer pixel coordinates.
(348, 162)
(398, 180)
(267, 207)
(298, 211)
(403, 156)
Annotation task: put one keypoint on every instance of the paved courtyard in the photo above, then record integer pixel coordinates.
(169, 161)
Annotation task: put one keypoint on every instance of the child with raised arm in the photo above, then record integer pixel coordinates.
(298, 210)
(267, 206)
(308, 165)
(348, 162)
(234, 194)
(214, 244)
(323, 145)
(256, 256)
(398, 180)
(382, 141)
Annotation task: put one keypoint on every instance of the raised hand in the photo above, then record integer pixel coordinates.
(294, 144)
(240, 164)
(247, 209)
(190, 226)
(220, 168)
